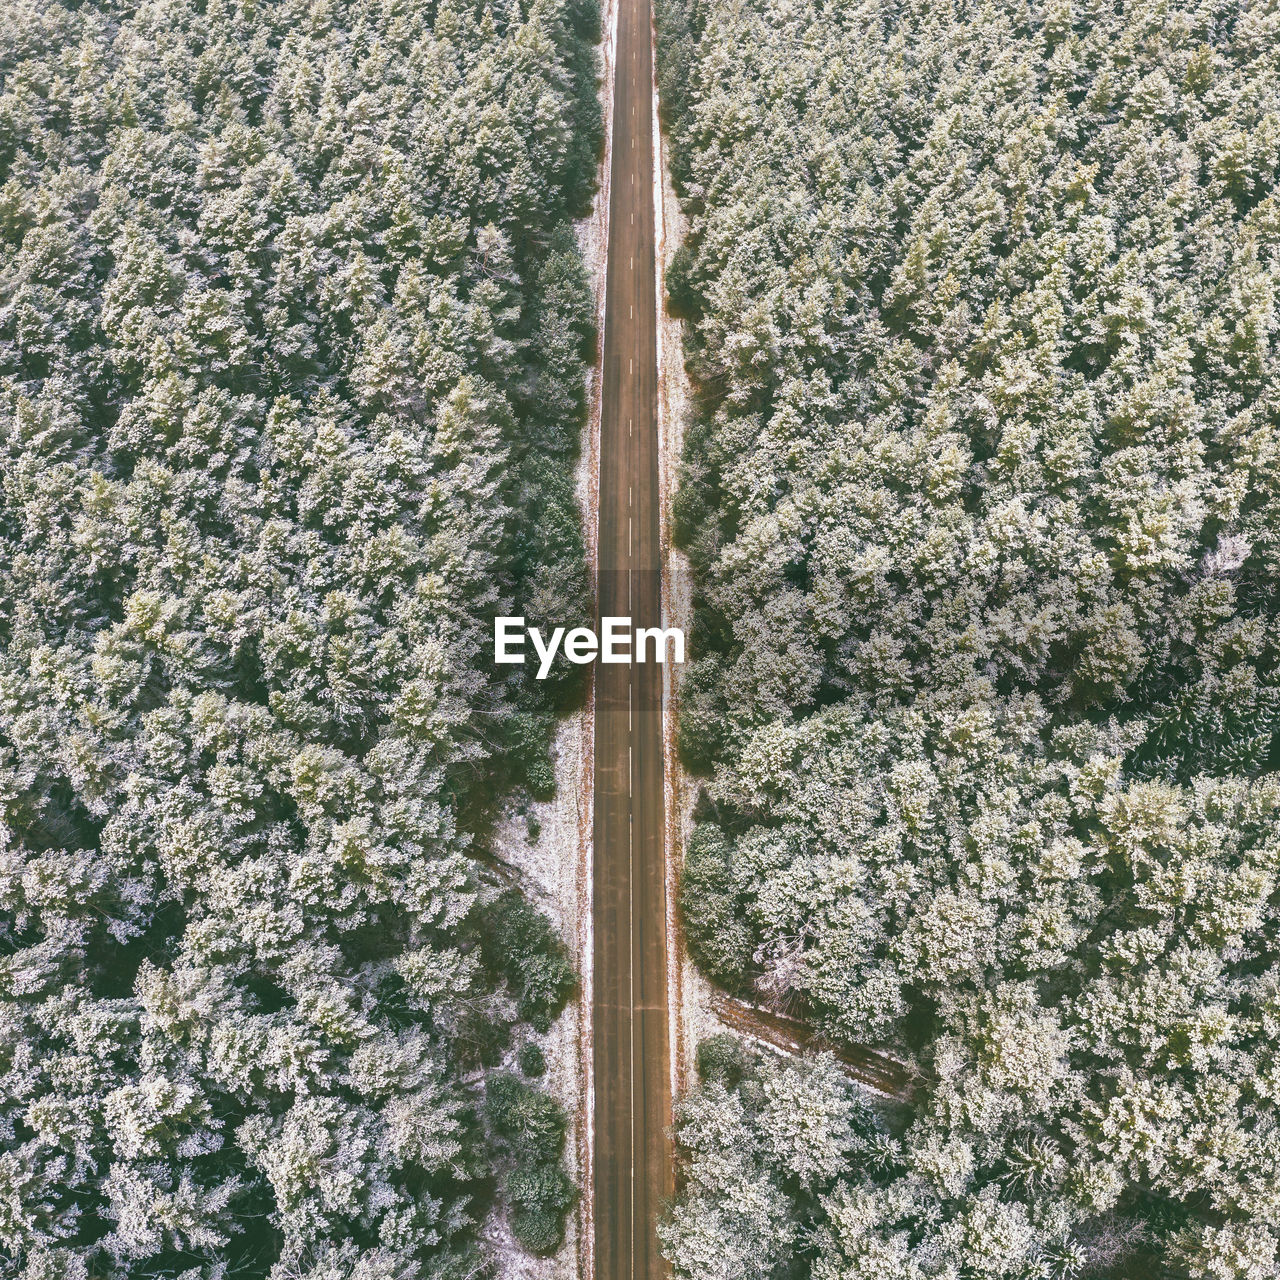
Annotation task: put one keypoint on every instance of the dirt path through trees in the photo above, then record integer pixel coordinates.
(874, 1070)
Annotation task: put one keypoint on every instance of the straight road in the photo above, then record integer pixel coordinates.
(632, 1161)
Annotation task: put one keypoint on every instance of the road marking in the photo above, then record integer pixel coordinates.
(631, 1000)
(635, 1227)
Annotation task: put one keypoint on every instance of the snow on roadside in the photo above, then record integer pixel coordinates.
(690, 1015)
(554, 872)
(556, 867)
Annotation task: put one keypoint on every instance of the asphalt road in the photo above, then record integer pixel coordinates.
(631, 1164)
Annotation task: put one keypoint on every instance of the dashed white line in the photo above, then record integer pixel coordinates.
(631, 1000)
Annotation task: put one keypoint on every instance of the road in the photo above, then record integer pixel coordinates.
(632, 1160)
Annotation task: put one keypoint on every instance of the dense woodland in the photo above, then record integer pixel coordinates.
(983, 500)
(274, 449)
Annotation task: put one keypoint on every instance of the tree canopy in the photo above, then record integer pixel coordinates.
(292, 341)
(982, 500)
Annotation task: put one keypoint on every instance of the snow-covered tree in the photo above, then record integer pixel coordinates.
(276, 442)
(980, 495)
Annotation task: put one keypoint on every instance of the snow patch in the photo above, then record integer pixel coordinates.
(556, 867)
(690, 1013)
(554, 872)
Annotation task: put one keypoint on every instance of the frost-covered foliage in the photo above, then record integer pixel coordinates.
(784, 1162)
(984, 503)
(291, 351)
(763, 1144)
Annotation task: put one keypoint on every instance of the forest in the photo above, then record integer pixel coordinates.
(982, 498)
(293, 334)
